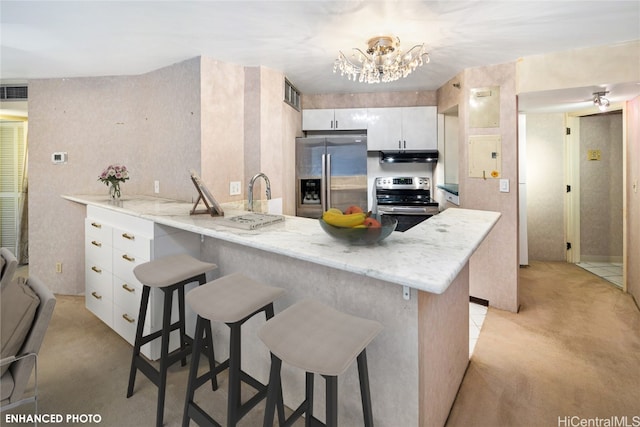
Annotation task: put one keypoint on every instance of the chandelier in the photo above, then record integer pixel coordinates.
(382, 62)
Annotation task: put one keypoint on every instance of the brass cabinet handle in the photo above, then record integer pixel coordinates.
(128, 288)
(128, 258)
(95, 295)
(128, 319)
(98, 244)
(128, 236)
(96, 269)
(96, 225)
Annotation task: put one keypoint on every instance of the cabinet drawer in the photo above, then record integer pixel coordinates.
(123, 265)
(132, 243)
(97, 252)
(125, 323)
(99, 304)
(99, 279)
(97, 230)
(127, 294)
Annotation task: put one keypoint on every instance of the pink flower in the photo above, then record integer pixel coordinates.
(114, 173)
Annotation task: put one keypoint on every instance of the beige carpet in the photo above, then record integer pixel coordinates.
(572, 350)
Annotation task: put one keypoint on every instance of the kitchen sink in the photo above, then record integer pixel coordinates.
(253, 220)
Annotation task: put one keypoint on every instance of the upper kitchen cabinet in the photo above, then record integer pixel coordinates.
(338, 119)
(405, 128)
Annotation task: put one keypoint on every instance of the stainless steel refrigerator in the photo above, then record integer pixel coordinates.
(331, 172)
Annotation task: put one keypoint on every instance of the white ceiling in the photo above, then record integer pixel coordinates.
(55, 39)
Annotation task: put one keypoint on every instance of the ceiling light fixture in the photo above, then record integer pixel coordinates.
(600, 100)
(382, 62)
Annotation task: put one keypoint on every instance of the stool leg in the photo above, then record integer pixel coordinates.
(332, 401)
(269, 313)
(235, 355)
(137, 344)
(164, 354)
(193, 370)
(308, 398)
(212, 358)
(183, 333)
(273, 393)
(365, 393)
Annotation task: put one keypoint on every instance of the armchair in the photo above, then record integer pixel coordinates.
(16, 377)
(8, 266)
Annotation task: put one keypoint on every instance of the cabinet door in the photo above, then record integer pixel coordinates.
(321, 119)
(350, 118)
(384, 130)
(419, 128)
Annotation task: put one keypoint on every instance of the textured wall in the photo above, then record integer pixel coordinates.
(223, 127)
(150, 123)
(601, 192)
(493, 269)
(271, 127)
(633, 198)
(545, 187)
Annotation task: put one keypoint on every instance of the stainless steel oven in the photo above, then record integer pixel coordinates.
(408, 199)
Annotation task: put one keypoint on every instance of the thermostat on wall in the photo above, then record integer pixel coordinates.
(60, 157)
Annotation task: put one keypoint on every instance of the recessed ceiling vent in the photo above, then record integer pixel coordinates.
(13, 93)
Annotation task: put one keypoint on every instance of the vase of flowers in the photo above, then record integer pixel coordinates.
(112, 176)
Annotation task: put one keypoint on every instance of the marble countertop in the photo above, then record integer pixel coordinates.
(427, 257)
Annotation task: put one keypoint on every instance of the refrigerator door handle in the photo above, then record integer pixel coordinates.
(323, 185)
(327, 177)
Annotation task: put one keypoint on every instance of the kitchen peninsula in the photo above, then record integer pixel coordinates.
(415, 283)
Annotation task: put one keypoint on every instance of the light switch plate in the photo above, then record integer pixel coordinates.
(504, 185)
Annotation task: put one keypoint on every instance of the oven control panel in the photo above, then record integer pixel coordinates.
(404, 183)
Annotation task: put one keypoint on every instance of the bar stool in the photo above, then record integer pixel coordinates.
(319, 340)
(231, 299)
(169, 274)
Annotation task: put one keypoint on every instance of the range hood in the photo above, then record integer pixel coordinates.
(430, 156)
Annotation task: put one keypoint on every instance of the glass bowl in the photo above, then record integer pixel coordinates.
(362, 236)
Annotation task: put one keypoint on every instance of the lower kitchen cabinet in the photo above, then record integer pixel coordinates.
(114, 244)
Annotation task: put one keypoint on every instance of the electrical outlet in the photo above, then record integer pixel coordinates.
(235, 188)
(58, 267)
(156, 187)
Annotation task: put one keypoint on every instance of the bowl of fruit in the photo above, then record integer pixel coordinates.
(357, 227)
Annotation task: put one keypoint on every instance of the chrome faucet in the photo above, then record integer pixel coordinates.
(253, 180)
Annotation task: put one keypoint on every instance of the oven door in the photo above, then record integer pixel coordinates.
(407, 216)
(406, 222)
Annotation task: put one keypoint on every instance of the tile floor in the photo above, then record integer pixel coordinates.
(477, 314)
(610, 271)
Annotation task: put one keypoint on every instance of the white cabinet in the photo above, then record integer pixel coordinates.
(335, 119)
(114, 244)
(402, 128)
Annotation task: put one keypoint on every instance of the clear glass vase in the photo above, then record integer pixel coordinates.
(114, 191)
